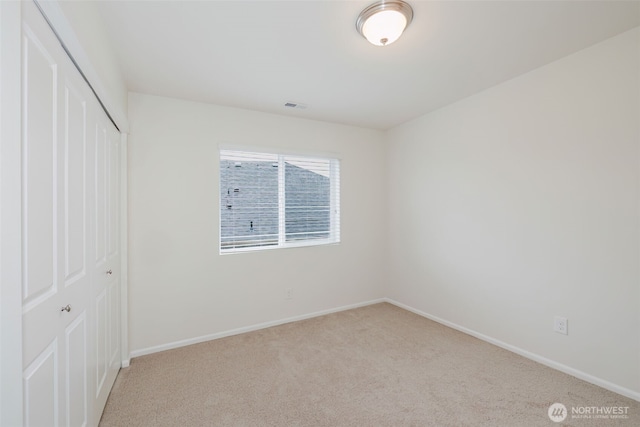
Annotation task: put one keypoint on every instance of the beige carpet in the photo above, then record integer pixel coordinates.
(372, 366)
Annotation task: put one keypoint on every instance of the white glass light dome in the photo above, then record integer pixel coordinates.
(384, 22)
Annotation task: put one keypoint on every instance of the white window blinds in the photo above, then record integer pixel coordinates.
(274, 200)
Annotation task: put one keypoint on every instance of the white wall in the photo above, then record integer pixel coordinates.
(180, 287)
(10, 213)
(521, 203)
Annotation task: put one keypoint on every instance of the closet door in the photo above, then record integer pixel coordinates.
(70, 236)
(56, 278)
(106, 257)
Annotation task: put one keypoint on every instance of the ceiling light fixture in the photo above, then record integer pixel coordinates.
(383, 22)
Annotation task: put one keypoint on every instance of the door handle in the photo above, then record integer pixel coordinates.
(67, 308)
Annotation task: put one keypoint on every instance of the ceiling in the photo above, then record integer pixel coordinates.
(262, 54)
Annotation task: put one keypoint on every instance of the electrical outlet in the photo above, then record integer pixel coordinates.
(561, 325)
(288, 293)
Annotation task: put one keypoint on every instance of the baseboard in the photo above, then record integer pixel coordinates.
(535, 357)
(204, 338)
(524, 353)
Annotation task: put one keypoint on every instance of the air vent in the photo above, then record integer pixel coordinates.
(296, 105)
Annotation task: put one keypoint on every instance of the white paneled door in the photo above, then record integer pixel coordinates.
(70, 237)
(105, 295)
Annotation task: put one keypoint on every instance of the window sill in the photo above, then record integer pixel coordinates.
(290, 245)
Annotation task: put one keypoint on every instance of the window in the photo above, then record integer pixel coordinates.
(274, 200)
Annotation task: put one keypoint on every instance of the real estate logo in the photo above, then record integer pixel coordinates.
(557, 412)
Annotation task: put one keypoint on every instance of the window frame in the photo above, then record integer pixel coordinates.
(334, 200)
